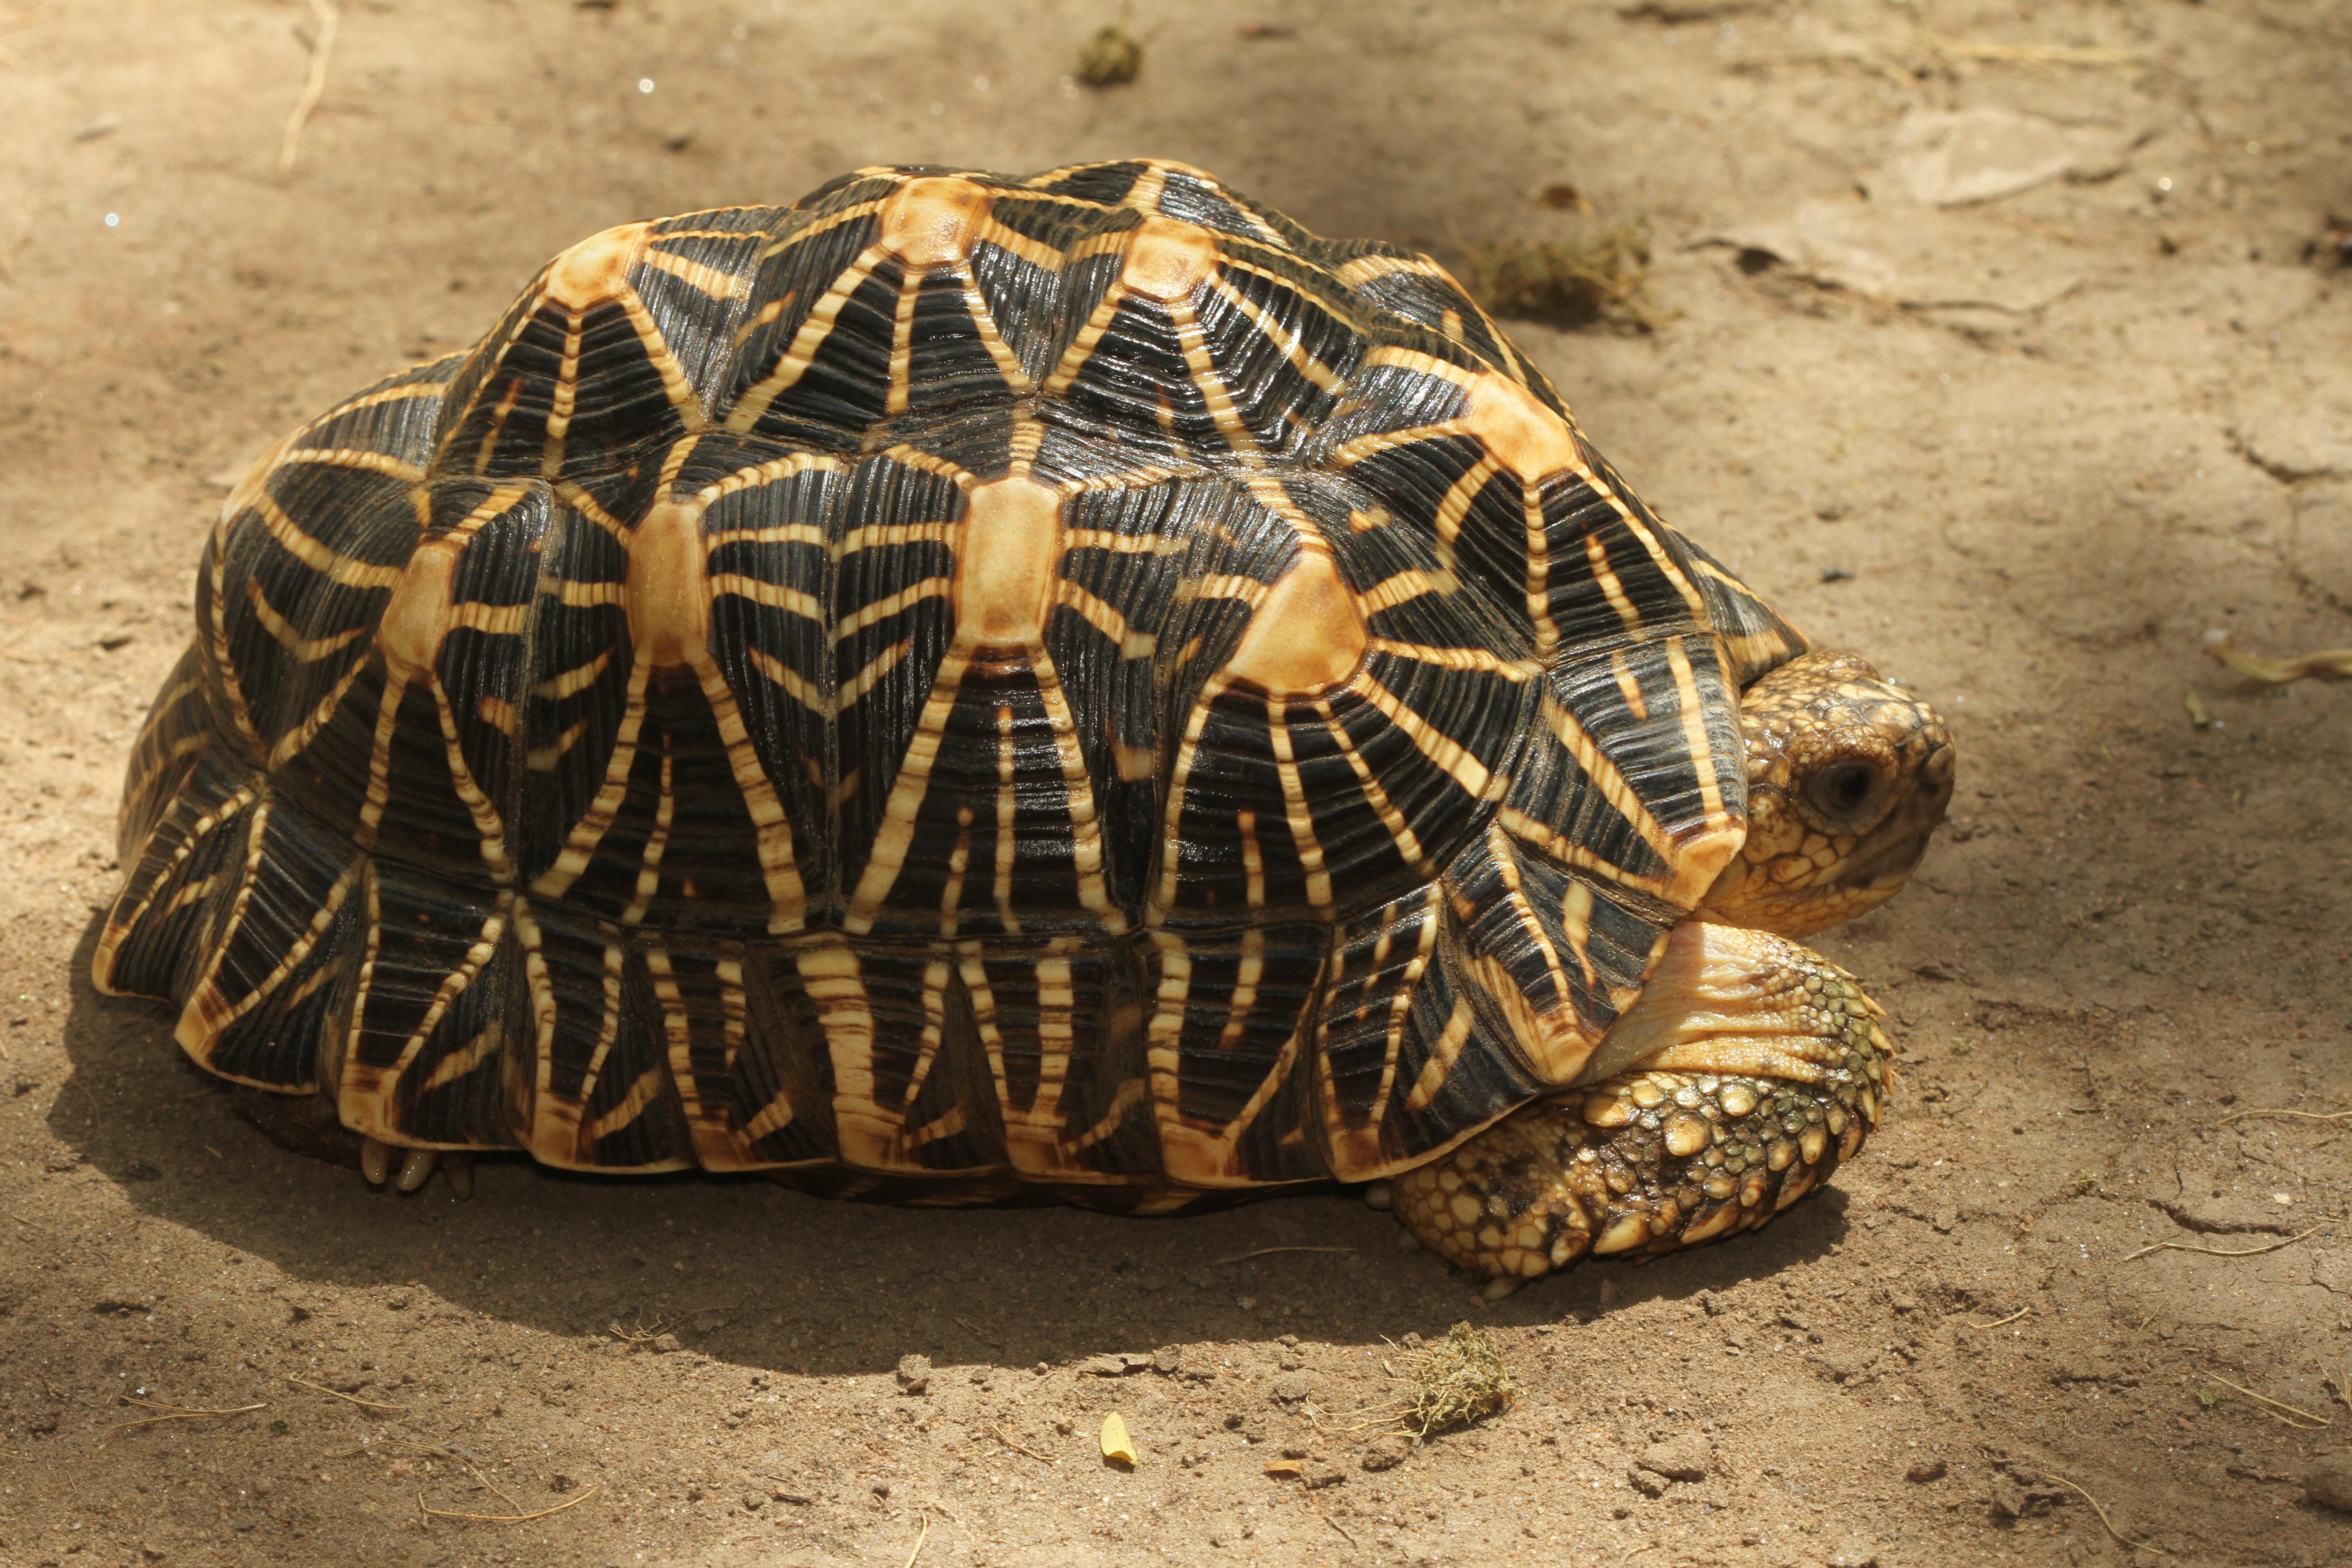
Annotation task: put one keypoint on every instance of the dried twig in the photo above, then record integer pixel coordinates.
(921, 1536)
(349, 1398)
(2033, 56)
(586, 1492)
(176, 1412)
(2298, 1115)
(2218, 1251)
(2109, 1523)
(2276, 1404)
(1004, 1438)
(1263, 1251)
(314, 86)
(973, 1328)
(2334, 663)
(2004, 1322)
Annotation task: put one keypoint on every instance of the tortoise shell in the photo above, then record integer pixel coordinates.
(1069, 680)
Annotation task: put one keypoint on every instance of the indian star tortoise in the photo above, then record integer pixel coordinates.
(966, 687)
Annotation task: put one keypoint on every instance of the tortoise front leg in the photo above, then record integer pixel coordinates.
(1749, 1070)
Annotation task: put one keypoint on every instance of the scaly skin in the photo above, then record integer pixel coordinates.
(1669, 1153)
(1751, 1068)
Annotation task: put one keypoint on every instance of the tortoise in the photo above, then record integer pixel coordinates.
(969, 688)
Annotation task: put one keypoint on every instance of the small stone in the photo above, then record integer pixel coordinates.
(914, 1373)
(562, 1483)
(882, 1489)
(1168, 1360)
(1927, 1470)
(2328, 1482)
(1684, 1458)
(1648, 1485)
(1290, 1388)
(754, 1501)
(1316, 1474)
(664, 1343)
(1386, 1453)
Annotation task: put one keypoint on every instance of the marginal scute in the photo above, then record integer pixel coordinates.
(1524, 436)
(931, 222)
(1005, 559)
(1167, 260)
(596, 269)
(668, 591)
(1308, 635)
(418, 616)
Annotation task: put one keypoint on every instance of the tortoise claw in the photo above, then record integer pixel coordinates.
(375, 1161)
(417, 1168)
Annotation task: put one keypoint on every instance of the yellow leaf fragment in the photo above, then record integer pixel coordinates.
(1116, 1446)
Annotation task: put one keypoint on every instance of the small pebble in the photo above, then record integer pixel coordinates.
(2328, 1482)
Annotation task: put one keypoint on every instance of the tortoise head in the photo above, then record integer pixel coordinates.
(1848, 776)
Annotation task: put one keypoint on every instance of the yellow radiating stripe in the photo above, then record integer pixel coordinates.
(1498, 843)
(983, 322)
(1286, 338)
(951, 897)
(1251, 970)
(773, 1117)
(1007, 810)
(1082, 347)
(1132, 644)
(880, 666)
(1519, 671)
(588, 595)
(352, 457)
(487, 827)
(1695, 736)
(1440, 748)
(331, 563)
(1455, 504)
(576, 679)
(1077, 784)
(880, 535)
(1350, 453)
(1131, 1093)
(1538, 570)
(306, 650)
(1202, 371)
(1408, 844)
(1035, 252)
(566, 396)
(453, 984)
(650, 860)
(815, 329)
(1171, 840)
(1596, 556)
(907, 791)
(1442, 1053)
(797, 687)
(641, 1093)
(379, 785)
(775, 596)
(884, 608)
(1597, 766)
(572, 494)
(902, 343)
(495, 620)
(760, 476)
(787, 894)
(1294, 808)
(699, 276)
(580, 844)
(459, 1063)
(1123, 543)
(924, 462)
(1403, 588)
(1400, 1002)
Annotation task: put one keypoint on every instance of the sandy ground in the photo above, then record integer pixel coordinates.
(2023, 452)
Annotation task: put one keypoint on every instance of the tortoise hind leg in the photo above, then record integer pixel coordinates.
(1747, 1072)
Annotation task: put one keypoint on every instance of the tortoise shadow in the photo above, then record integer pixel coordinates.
(750, 1272)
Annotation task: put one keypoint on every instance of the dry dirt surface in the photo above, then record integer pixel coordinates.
(2023, 450)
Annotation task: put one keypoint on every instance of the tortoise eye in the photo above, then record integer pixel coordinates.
(1847, 795)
